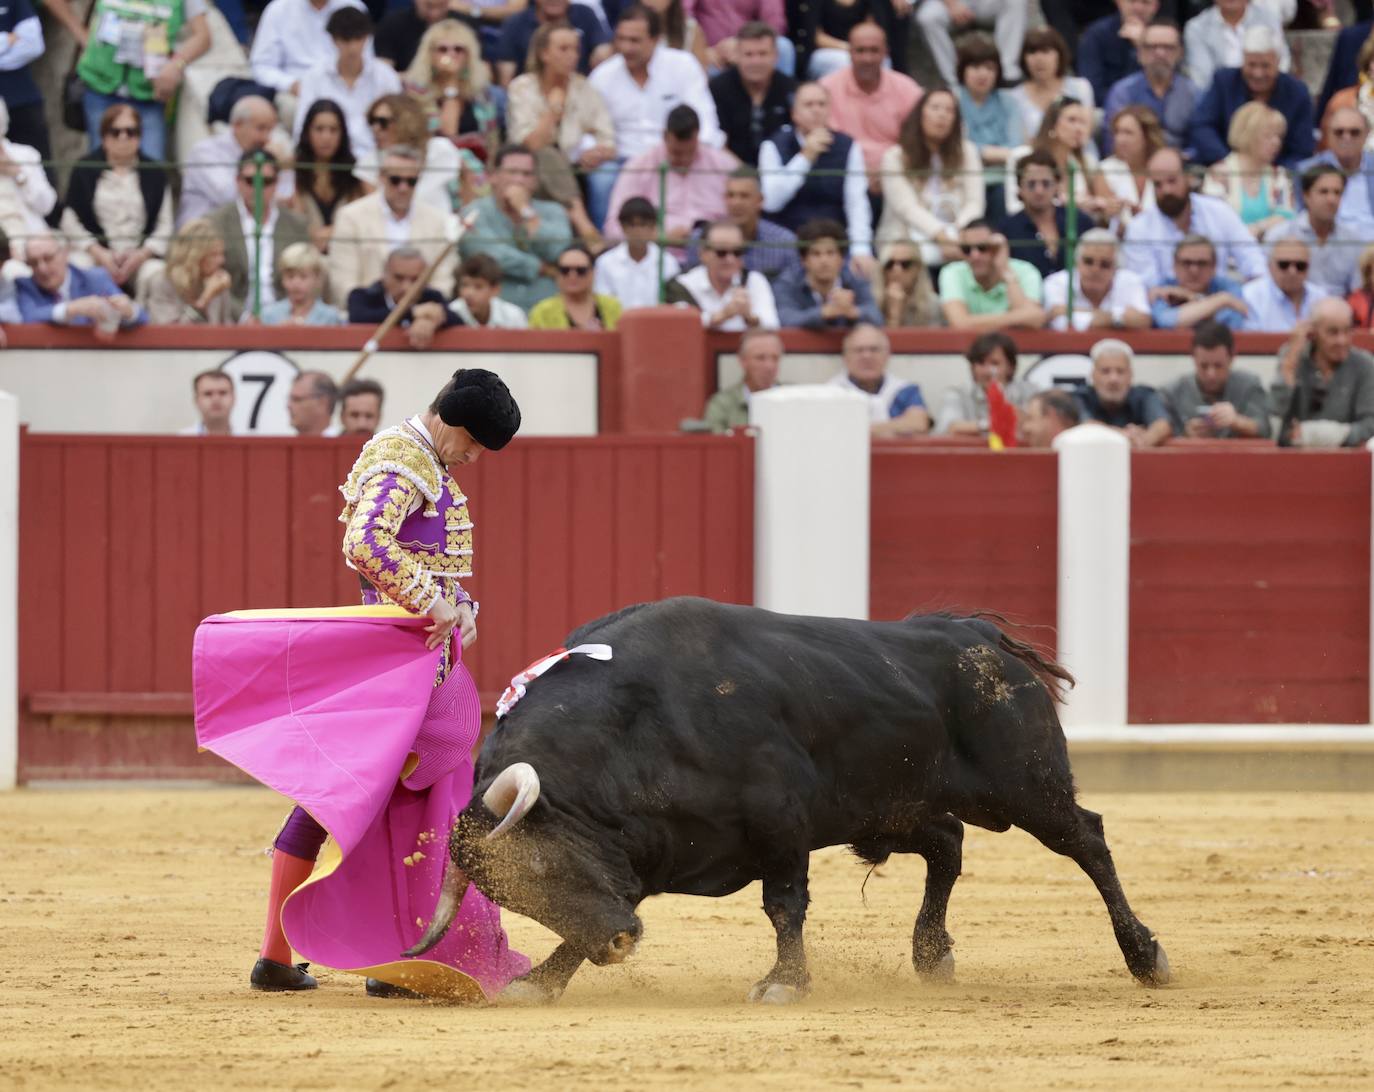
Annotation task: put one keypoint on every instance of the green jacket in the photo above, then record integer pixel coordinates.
(159, 22)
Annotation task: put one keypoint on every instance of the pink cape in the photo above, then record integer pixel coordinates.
(335, 709)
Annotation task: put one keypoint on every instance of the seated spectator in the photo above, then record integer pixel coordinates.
(1216, 401)
(760, 356)
(723, 23)
(451, 82)
(895, 406)
(1344, 69)
(209, 175)
(992, 116)
(1152, 236)
(1104, 296)
(479, 301)
(523, 234)
(1047, 414)
(1113, 400)
(26, 195)
(559, 116)
(752, 97)
(1008, 22)
(146, 76)
(576, 306)
(248, 246)
(360, 407)
(448, 179)
(989, 289)
(1035, 233)
(694, 188)
(1197, 293)
(1325, 387)
(1066, 134)
(290, 40)
(932, 180)
(770, 248)
(641, 85)
(64, 295)
(1352, 96)
(325, 178)
(1159, 86)
(902, 287)
(822, 32)
(1045, 61)
(1347, 134)
(1282, 297)
(399, 31)
(991, 359)
(827, 295)
(680, 30)
(1215, 40)
(1257, 80)
(513, 50)
(630, 271)
(353, 78)
(728, 297)
(1361, 300)
(800, 173)
(1108, 50)
(214, 396)
(22, 98)
(310, 405)
(368, 229)
(370, 305)
(869, 101)
(302, 278)
(1136, 136)
(1333, 245)
(193, 288)
(119, 216)
(1246, 179)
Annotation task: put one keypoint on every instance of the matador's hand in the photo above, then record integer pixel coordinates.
(445, 616)
(467, 624)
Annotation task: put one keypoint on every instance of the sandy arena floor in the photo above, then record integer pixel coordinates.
(129, 920)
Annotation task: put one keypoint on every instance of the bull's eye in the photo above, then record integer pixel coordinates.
(537, 864)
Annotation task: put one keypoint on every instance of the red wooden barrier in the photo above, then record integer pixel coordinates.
(1249, 587)
(965, 530)
(127, 542)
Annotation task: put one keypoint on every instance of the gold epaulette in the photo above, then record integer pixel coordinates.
(394, 451)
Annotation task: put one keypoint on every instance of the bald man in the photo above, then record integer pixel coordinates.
(1325, 386)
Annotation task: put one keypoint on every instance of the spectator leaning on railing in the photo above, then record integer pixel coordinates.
(991, 359)
(63, 295)
(370, 305)
(1324, 392)
(1112, 399)
(760, 357)
(1217, 401)
(193, 288)
(895, 406)
(825, 295)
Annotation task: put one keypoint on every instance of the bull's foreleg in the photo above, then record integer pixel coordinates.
(545, 983)
(940, 840)
(784, 901)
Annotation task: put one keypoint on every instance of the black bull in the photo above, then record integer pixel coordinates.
(723, 744)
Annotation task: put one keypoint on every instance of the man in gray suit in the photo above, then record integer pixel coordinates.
(238, 225)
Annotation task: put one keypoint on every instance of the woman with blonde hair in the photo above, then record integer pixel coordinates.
(902, 287)
(1066, 134)
(302, 278)
(451, 82)
(193, 288)
(556, 113)
(1247, 179)
(1136, 135)
(932, 180)
(1362, 299)
(447, 179)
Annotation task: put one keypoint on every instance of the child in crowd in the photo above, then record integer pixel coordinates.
(630, 272)
(302, 278)
(479, 301)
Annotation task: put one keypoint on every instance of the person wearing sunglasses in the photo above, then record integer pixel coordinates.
(1284, 296)
(728, 297)
(1347, 134)
(1334, 245)
(1104, 296)
(576, 306)
(989, 289)
(902, 287)
(1034, 234)
(353, 78)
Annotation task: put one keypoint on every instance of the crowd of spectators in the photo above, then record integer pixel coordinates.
(769, 164)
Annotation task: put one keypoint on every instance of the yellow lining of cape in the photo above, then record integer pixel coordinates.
(378, 610)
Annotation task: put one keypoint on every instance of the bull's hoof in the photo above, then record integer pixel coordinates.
(523, 992)
(941, 971)
(776, 993)
(1160, 975)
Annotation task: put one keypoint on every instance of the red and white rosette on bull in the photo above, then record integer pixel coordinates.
(517, 687)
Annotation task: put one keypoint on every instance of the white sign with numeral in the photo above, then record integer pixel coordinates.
(262, 383)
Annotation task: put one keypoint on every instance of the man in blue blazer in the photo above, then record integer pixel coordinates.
(64, 295)
(1258, 79)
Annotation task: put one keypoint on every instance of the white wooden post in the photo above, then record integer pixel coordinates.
(811, 501)
(1369, 446)
(1094, 573)
(9, 591)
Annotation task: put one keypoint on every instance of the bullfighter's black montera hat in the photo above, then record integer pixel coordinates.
(477, 400)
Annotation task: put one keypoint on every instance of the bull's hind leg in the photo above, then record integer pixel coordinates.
(940, 841)
(784, 901)
(1079, 836)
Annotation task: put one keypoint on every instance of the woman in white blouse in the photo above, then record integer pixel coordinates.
(119, 208)
(1066, 134)
(1136, 136)
(1045, 61)
(932, 180)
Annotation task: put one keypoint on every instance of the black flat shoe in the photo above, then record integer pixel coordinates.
(377, 988)
(276, 977)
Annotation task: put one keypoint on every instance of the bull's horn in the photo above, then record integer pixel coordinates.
(455, 886)
(511, 795)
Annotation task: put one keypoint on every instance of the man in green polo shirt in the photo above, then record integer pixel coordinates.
(989, 289)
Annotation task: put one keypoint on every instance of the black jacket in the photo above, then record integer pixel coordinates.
(736, 112)
(368, 306)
